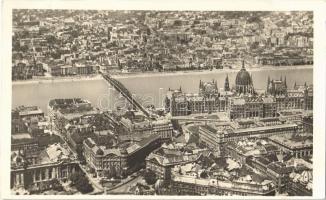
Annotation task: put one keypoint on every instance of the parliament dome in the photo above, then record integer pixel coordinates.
(243, 81)
(243, 77)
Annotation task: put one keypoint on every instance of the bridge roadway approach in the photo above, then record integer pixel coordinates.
(125, 93)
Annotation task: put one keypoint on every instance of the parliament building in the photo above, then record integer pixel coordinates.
(241, 101)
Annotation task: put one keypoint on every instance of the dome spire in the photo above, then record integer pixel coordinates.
(243, 67)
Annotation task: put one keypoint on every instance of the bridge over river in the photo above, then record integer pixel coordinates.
(126, 94)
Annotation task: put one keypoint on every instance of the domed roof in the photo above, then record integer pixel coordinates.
(243, 77)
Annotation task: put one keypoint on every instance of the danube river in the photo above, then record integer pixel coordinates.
(150, 89)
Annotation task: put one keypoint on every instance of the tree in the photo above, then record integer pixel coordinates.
(56, 184)
(51, 39)
(83, 185)
(177, 23)
(204, 174)
(92, 170)
(80, 155)
(80, 181)
(74, 177)
(150, 177)
(254, 45)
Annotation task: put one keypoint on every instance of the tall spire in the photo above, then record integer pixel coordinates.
(243, 67)
(295, 85)
(108, 34)
(285, 82)
(268, 83)
(227, 84)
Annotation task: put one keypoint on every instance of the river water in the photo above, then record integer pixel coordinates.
(149, 90)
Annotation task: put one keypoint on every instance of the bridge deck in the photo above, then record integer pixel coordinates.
(125, 93)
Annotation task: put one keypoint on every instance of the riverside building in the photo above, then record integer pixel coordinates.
(61, 111)
(299, 97)
(241, 101)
